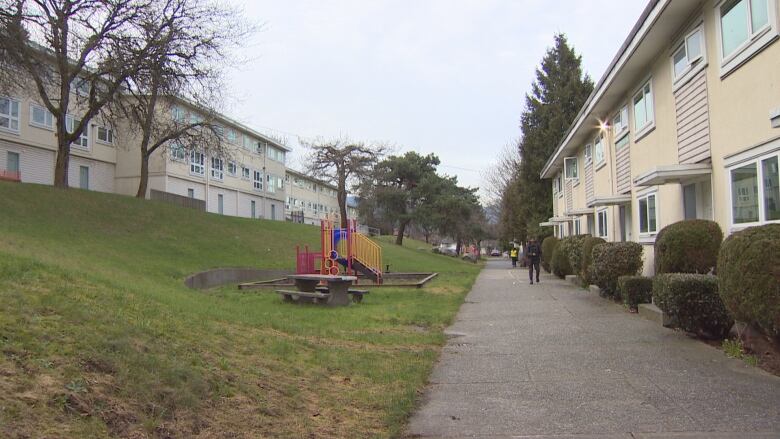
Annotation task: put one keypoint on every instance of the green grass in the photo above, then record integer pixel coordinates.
(100, 338)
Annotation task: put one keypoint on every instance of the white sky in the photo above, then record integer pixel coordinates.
(441, 76)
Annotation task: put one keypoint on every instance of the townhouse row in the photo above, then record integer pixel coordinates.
(250, 180)
(684, 124)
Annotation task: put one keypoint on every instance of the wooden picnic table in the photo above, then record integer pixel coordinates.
(338, 286)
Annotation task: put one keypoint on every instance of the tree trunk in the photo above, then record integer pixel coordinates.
(63, 160)
(458, 247)
(399, 240)
(427, 237)
(144, 183)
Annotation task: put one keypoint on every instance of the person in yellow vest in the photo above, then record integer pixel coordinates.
(513, 254)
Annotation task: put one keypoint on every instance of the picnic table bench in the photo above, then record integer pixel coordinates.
(336, 293)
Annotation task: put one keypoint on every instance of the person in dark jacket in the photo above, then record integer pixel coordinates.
(534, 254)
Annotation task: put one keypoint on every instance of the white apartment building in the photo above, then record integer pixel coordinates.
(309, 200)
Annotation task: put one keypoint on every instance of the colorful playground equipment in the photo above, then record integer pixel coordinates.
(343, 252)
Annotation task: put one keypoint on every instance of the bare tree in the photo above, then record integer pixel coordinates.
(192, 39)
(342, 162)
(77, 54)
(503, 170)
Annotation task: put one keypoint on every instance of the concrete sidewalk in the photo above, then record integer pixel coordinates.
(552, 360)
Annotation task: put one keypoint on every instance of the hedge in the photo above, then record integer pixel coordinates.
(693, 302)
(689, 246)
(612, 260)
(548, 248)
(749, 273)
(587, 256)
(560, 261)
(635, 290)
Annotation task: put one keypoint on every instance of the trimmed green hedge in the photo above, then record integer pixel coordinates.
(635, 290)
(693, 302)
(689, 246)
(560, 261)
(587, 256)
(749, 273)
(567, 257)
(548, 248)
(612, 260)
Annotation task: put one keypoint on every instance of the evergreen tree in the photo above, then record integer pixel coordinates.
(558, 93)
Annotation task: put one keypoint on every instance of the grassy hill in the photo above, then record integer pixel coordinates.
(100, 338)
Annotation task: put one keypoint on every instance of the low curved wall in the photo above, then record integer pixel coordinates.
(225, 276)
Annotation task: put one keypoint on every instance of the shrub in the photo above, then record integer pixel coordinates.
(587, 256)
(635, 290)
(612, 260)
(749, 273)
(548, 248)
(689, 246)
(574, 247)
(560, 260)
(693, 302)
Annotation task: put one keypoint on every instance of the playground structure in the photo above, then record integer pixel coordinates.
(343, 252)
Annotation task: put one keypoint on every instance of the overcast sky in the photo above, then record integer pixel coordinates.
(441, 76)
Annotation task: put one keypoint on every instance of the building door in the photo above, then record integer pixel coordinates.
(689, 201)
(84, 177)
(273, 212)
(12, 162)
(624, 213)
(220, 204)
(253, 208)
(191, 193)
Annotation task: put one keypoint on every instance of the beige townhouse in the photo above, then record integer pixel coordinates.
(28, 146)
(246, 181)
(309, 199)
(685, 123)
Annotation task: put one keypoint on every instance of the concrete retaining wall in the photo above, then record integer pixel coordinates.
(224, 276)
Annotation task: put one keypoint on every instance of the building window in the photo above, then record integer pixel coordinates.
(279, 183)
(83, 140)
(755, 192)
(105, 135)
(253, 209)
(9, 114)
(41, 117)
(620, 123)
(84, 177)
(191, 192)
(598, 150)
(271, 180)
(221, 204)
(740, 22)
(558, 186)
(257, 181)
(602, 225)
(648, 221)
(577, 227)
(197, 163)
(232, 135)
(643, 109)
(245, 172)
(276, 154)
(232, 168)
(571, 170)
(178, 114)
(217, 168)
(177, 152)
(588, 155)
(689, 54)
(622, 143)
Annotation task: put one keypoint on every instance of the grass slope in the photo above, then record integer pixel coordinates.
(99, 337)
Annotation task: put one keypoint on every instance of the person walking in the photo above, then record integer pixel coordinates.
(534, 254)
(513, 254)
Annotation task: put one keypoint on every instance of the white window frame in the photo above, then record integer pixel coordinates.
(232, 135)
(46, 115)
(558, 185)
(178, 114)
(70, 124)
(640, 132)
(756, 42)
(605, 213)
(270, 186)
(232, 165)
(10, 117)
(588, 154)
(620, 129)
(694, 65)
(577, 227)
(568, 166)
(599, 141)
(197, 167)
(246, 173)
(109, 133)
(761, 186)
(177, 153)
(646, 197)
(217, 168)
(257, 183)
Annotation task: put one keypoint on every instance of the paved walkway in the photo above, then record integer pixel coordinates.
(552, 360)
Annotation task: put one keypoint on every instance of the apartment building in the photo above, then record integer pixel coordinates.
(309, 200)
(247, 181)
(28, 146)
(685, 123)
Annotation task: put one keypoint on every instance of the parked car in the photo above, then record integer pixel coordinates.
(495, 253)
